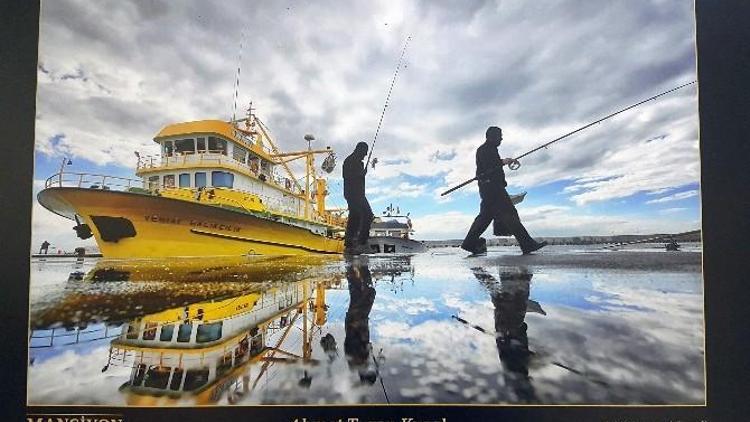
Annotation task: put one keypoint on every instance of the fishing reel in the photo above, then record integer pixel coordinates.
(515, 165)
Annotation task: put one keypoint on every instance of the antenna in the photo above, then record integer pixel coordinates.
(237, 78)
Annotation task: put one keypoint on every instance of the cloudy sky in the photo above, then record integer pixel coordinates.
(113, 73)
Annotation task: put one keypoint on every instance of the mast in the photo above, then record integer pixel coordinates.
(308, 169)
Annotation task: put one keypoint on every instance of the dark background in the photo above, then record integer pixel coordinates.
(723, 44)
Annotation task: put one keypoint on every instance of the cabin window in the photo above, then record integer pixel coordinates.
(153, 182)
(140, 372)
(217, 146)
(157, 377)
(200, 179)
(222, 179)
(208, 332)
(183, 334)
(168, 180)
(184, 180)
(167, 148)
(256, 345)
(201, 144)
(167, 331)
(176, 379)
(254, 163)
(183, 146)
(195, 378)
(224, 364)
(149, 332)
(132, 331)
(239, 154)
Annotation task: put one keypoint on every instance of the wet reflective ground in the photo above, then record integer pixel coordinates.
(572, 325)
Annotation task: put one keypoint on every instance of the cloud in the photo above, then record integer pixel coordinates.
(675, 197)
(111, 76)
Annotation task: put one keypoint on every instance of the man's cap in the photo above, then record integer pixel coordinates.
(361, 145)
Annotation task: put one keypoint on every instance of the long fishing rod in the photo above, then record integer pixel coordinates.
(388, 99)
(495, 335)
(516, 164)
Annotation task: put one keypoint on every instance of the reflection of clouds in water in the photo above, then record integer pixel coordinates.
(411, 307)
(639, 357)
(77, 379)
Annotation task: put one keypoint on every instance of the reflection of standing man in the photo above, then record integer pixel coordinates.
(44, 248)
(360, 213)
(496, 204)
(357, 322)
(511, 301)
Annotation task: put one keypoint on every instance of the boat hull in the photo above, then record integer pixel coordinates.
(390, 244)
(133, 225)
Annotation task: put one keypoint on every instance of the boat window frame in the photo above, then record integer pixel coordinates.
(200, 332)
(236, 149)
(222, 172)
(190, 335)
(163, 382)
(180, 178)
(166, 177)
(179, 151)
(167, 148)
(220, 146)
(205, 179)
(167, 328)
(139, 373)
(153, 182)
(191, 372)
(149, 330)
(178, 373)
(132, 331)
(198, 148)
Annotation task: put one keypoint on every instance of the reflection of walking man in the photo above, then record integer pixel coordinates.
(511, 302)
(496, 204)
(45, 247)
(360, 213)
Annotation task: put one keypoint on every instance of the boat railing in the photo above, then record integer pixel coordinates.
(92, 181)
(64, 337)
(208, 158)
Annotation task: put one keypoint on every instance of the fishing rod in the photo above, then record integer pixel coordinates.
(517, 164)
(558, 364)
(388, 98)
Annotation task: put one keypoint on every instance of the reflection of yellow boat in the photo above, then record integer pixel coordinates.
(152, 285)
(216, 189)
(197, 353)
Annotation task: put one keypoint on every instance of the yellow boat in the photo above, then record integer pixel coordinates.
(201, 352)
(216, 189)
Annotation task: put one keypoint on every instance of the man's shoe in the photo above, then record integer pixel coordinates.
(535, 247)
(479, 249)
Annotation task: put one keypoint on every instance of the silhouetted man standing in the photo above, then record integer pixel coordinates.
(496, 204)
(360, 213)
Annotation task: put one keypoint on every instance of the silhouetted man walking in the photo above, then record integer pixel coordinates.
(496, 204)
(360, 213)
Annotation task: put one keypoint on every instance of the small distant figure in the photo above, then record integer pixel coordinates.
(45, 248)
(496, 203)
(672, 245)
(360, 212)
